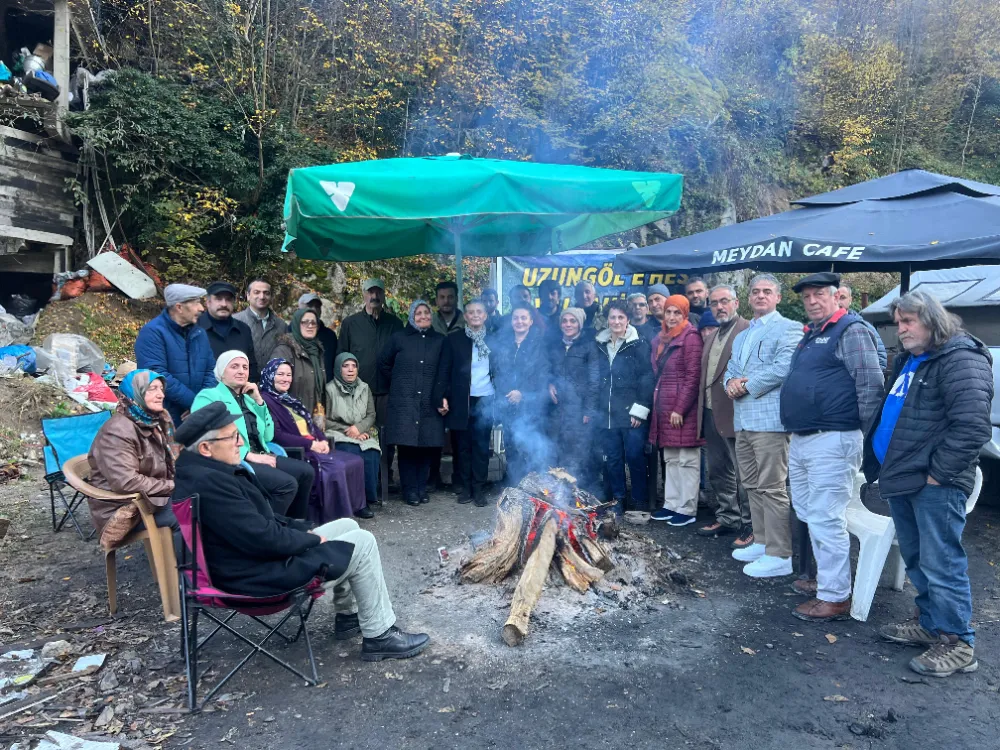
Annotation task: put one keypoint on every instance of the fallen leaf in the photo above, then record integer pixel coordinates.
(746, 650)
(393, 676)
(835, 699)
(798, 635)
(831, 638)
(447, 710)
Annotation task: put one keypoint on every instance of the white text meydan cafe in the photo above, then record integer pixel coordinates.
(783, 249)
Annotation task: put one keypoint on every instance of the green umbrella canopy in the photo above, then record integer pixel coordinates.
(391, 208)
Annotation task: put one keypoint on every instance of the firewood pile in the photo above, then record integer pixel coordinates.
(544, 525)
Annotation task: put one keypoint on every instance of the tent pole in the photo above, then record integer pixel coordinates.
(458, 266)
(904, 280)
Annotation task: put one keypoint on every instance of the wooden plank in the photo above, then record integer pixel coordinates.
(29, 160)
(35, 210)
(31, 235)
(39, 140)
(9, 173)
(60, 58)
(38, 261)
(49, 190)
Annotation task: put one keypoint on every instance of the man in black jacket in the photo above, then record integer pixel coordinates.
(923, 448)
(250, 550)
(226, 333)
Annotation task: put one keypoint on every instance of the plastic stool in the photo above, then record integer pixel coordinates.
(875, 533)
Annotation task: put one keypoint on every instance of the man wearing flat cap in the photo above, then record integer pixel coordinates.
(830, 396)
(225, 332)
(252, 551)
(172, 345)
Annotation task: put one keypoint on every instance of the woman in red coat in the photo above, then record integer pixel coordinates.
(675, 423)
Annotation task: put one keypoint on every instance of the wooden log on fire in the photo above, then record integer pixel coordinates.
(529, 587)
(576, 571)
(494, 562)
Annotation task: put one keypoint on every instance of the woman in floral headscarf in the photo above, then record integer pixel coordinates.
(133, 452)
(339, 489)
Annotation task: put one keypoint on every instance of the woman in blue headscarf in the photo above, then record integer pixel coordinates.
(133, 452)
(339, 489)
(417, 366)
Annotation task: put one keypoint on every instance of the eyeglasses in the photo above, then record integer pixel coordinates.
(720, 302)
(235, 437)
(309, 324)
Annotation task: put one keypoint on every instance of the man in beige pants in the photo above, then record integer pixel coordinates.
(758, 367)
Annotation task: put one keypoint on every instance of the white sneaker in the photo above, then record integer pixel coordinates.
(766, 566)
(749, 553)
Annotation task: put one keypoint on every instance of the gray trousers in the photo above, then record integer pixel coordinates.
(362, 587)
(733, 509)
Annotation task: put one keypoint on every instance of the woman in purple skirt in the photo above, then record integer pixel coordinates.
(339, 490)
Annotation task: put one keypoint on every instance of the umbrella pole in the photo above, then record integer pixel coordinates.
(904, 280)
(458, 266)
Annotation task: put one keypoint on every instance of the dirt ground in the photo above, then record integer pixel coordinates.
(720, 664)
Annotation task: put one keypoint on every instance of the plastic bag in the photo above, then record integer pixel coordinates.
(17, 357)
(78, 352)
(13, 331)
(96, 389)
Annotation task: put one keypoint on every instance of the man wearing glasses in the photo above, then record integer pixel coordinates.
(761, 357)
(732, 514)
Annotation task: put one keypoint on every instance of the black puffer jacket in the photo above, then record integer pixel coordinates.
(249, 549)
(944, 423)
(462, 352)
(626, 388)
(525, 368)
(576, 375)
(417, 367)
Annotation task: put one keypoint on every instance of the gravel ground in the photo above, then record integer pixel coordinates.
(720, 665)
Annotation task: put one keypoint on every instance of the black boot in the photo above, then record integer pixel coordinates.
(393, 644)
(464, 496)
(346, 626)
(479, 497)
(365, 512)
(412, 498)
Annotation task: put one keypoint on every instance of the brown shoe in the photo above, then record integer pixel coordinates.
(911, 632)
(744, 539)
(805, 586)
(714, 529)
(817, 610)
(946, 657)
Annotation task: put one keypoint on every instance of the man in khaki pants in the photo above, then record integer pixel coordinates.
(761, 357)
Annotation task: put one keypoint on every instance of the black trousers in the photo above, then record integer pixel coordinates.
(471, 447)
(288, 485)
(414, 467)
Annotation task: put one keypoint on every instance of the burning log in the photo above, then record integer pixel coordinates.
(544, 522)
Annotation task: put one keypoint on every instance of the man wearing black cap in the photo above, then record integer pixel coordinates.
(251, 551)
(832, 391)
(226, 333)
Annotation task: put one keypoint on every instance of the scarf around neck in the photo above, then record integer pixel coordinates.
(479, 341)
(669, 334)
(285, 399)
(338, 375)
(313, 350)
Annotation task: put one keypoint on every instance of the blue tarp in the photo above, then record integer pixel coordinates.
(912, 217)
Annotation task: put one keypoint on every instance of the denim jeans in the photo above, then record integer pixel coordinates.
(621, 446)
(929, 526)
(372, 459)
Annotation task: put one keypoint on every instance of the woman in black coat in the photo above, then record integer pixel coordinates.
(521, 376)
(576, 378)
(624, 401)
(470, 407)
(416, 364)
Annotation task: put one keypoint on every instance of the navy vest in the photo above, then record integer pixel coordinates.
(819, 392)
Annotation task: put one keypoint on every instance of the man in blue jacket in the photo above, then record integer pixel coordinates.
(175, 347)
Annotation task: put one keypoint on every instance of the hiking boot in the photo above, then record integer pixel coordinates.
(949, 655)
(911, 632)
(393, 644)
(346, 626)
(749, 553)
(744, 539)
(805, 587)
(714, 530)
(817, 610)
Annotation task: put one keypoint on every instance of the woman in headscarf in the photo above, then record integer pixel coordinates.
(416, 364)
(675, 425)
(350, 419)
(132, 452)
(625, 395)
(287, 481)
(575, 383)
(470, 412)
(300, 348)
(339, 489)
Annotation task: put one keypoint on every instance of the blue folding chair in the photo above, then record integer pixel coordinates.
(65, 438)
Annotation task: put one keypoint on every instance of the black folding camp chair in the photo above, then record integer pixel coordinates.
(65, 438)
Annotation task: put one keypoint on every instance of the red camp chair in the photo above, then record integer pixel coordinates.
(199, 596)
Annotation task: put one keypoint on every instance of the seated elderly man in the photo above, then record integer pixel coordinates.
(250, 550)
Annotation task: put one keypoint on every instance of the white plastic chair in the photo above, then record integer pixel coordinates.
(879, 558)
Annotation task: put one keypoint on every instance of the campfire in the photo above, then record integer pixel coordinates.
(545, 522)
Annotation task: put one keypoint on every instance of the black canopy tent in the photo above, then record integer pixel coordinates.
(905, 221)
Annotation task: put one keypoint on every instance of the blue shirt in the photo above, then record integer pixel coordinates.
(894, 405)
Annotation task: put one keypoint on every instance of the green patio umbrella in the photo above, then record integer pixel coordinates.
(390, 208)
